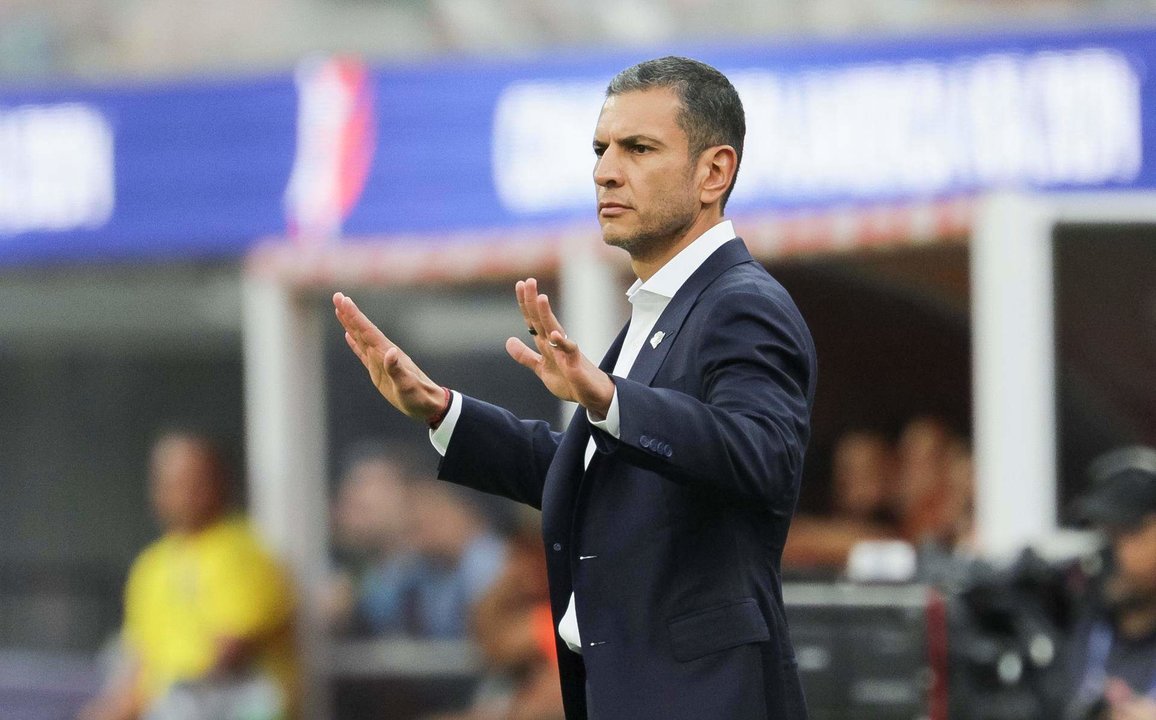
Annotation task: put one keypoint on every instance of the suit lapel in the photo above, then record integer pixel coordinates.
(567, 469)
(662, 338)
(615, 350)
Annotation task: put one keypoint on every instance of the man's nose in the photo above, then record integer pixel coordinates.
(607, 170)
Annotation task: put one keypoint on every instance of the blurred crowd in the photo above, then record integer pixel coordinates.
(422, 559)
(208, 632)
(413, 555)
(918, 489)
(209, 611)
(418, 558)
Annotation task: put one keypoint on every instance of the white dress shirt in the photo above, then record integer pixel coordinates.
(647, 301)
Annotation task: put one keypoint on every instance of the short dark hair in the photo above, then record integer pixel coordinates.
(712, 113)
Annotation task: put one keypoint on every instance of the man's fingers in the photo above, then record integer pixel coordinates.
(351, 316)
(358, 324)
(556, 336)
(392, 361)
(528, 303)
(346, 309)
(561, 343)
(352, 319)
(364, 338)
(546, 316)
(520, 294)
(392, 372)
(522, 354)
(530, 300)
(355, 347)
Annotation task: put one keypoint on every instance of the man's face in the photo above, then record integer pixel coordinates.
(186, 486)
(1134, 577)
(442, 526)
(369, 514)
(864, 471)
(645, 178)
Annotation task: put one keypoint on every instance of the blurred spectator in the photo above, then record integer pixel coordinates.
(864, 479)
(208, 612)
(369, 525)
(414, 554)
(936, 486)
(456, 557)
(512, 627)
(863, 486)
(921, 490)
(1111, 660)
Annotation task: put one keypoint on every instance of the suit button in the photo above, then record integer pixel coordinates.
(557, 547)
(644, 441)
(667, 451)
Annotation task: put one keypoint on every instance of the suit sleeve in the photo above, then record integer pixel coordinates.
(740, 424)
(493, 451)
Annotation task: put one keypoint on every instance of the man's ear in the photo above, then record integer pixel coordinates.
(717, 167)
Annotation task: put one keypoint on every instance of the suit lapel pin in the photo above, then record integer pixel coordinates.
(656, 338)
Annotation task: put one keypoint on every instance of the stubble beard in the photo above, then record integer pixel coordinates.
(656, 233)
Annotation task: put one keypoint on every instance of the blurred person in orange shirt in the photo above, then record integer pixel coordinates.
(208, 612)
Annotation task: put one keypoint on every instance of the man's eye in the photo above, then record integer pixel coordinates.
(599, 151)
(639, 149)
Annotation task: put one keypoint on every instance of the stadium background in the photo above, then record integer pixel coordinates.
(181, 185)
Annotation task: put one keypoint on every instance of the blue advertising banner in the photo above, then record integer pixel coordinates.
(146, 172)
(339, 150)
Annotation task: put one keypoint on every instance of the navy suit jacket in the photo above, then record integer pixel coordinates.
(671, 538)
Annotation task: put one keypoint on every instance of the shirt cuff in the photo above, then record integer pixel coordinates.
(610, 425)
(440, 438)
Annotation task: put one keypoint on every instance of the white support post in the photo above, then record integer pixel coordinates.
(1013, 374)
(285, 438)
(593, 298)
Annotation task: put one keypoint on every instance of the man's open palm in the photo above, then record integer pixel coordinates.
(558, 362)
(394, 374)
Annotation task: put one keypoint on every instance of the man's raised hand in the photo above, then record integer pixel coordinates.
(556, 359)
(394, 374)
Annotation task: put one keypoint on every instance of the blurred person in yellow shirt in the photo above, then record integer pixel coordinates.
(208, 611)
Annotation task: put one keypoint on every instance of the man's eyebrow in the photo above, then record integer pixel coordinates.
(630, 140)
(639, 140)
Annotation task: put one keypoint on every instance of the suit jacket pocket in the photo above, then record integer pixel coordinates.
(702, 632)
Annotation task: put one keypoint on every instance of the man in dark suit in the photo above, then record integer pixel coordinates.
(665, 504)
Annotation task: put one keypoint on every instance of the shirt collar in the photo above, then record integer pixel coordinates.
(674, 274)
